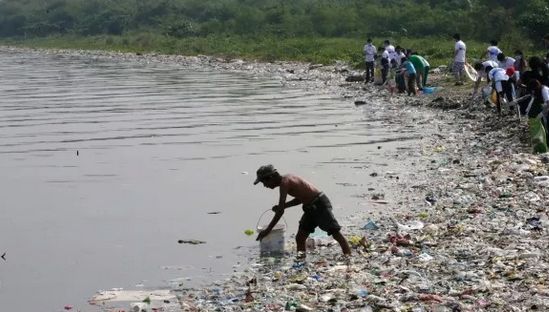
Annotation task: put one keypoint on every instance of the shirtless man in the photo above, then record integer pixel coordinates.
(316, 206)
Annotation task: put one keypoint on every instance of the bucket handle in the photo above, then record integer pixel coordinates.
(261, 217)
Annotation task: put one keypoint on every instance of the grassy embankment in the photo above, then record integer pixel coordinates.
(439, 51)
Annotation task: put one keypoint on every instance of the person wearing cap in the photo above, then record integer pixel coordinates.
(317, 209)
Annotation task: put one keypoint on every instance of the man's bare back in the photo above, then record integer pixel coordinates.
(299, 188)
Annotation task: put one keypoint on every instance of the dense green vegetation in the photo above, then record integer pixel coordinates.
(311, 30)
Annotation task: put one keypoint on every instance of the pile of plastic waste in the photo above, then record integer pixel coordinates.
(470, 234)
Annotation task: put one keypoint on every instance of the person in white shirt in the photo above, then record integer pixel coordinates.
(384, 63)
(492, 51)
(459, 59)
(390, 50)
(500, 82)
(481, 71)
(399, 54)
(506, 61)
(369, 58)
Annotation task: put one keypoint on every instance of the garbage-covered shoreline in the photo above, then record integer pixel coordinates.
(467, 231)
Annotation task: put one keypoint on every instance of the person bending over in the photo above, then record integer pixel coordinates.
(480, 67)
(500, 82)
(317, 209)
(422, 68)
(410, 74)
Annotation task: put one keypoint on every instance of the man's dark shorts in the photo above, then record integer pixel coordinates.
(319, 213)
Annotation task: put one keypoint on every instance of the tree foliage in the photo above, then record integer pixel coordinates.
(475, 19)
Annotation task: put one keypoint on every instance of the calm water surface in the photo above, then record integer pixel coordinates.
(106, 164)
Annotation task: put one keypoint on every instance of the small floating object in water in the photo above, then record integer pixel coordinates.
(214, 212)
(359, 102)
(439, 149)
(249, 232)
(191, 241)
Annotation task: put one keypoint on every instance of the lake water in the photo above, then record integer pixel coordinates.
(106, 164)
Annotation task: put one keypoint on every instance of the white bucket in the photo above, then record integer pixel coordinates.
(272, 244)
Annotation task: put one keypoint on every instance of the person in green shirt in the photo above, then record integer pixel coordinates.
(422, 68)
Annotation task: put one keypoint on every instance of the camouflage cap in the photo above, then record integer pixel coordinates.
(264, 172)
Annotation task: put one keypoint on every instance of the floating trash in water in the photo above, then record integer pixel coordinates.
(249, 232)
(191, 241)
(137, 300)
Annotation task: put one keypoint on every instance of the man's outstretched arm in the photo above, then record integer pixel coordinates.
(278, 213)
(271, 225)
(291, 203)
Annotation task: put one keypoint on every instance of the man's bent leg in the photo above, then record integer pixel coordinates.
(300, 240)
(342, 242)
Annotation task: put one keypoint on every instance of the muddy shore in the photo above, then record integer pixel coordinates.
(465, 228)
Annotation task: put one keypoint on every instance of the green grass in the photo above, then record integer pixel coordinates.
(438, 51)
